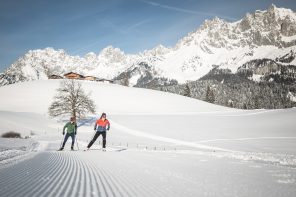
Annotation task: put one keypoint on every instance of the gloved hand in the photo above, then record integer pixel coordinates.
(63, 132)
(75, 133)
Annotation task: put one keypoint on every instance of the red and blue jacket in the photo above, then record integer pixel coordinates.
(102, 125)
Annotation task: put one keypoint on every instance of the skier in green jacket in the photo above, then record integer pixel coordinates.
(71, 132)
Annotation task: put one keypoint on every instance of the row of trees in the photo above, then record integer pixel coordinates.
(233, 91)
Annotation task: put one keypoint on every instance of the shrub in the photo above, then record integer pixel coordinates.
(11, 134)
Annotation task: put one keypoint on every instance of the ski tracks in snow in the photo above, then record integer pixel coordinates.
(107, 174)
(166, 139)
(270, 158)
(53, 174)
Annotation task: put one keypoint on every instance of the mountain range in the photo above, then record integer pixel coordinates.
(260, 46)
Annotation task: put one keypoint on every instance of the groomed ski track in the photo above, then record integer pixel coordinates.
(138, 173)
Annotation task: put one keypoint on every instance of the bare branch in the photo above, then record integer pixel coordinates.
(71, 99)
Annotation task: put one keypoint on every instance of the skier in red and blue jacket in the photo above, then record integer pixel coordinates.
(101, 126)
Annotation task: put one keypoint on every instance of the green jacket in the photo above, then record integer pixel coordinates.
(71, 128)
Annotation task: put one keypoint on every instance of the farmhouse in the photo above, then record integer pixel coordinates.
(55, 77)
(90, 78)
(72, 75)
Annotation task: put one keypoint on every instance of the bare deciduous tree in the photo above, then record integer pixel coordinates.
(71, 99)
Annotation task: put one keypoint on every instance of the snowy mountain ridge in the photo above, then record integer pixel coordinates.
(269, 34)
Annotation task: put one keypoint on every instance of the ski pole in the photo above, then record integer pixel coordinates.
(62, 140)
(77, 143)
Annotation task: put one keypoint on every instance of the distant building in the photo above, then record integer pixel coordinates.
(72, 75)
(105, 81)
(55, 77)
(90, 78)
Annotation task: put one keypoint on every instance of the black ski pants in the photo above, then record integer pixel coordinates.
(72, 135)
(96, 137)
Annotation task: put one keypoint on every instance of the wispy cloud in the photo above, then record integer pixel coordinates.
(123, 29)
(188, 11)
(138, 24)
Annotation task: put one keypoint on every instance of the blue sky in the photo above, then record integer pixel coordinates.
(82, 26)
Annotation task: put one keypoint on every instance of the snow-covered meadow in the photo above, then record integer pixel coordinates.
(160, 144)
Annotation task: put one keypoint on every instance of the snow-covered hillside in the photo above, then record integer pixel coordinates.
(168, 114)
(36, 97)
(159, 144)
(29, 101)
(268, 34)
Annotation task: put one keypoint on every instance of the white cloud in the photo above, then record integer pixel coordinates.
(186, 10)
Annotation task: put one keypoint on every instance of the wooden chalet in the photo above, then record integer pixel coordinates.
(72, 75)
(90, 78)
(55, 77)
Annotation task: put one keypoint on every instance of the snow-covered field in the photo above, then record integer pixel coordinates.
(160, 144)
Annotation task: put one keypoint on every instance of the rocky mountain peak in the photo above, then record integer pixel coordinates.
(112, 54)
(280, 13)
(271, 19)
(158, 50)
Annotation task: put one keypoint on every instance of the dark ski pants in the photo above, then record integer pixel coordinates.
(95, 138)
(72, 135)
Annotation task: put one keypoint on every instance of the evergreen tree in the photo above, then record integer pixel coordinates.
(210, 97)
(187, 91)
(125, 81)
